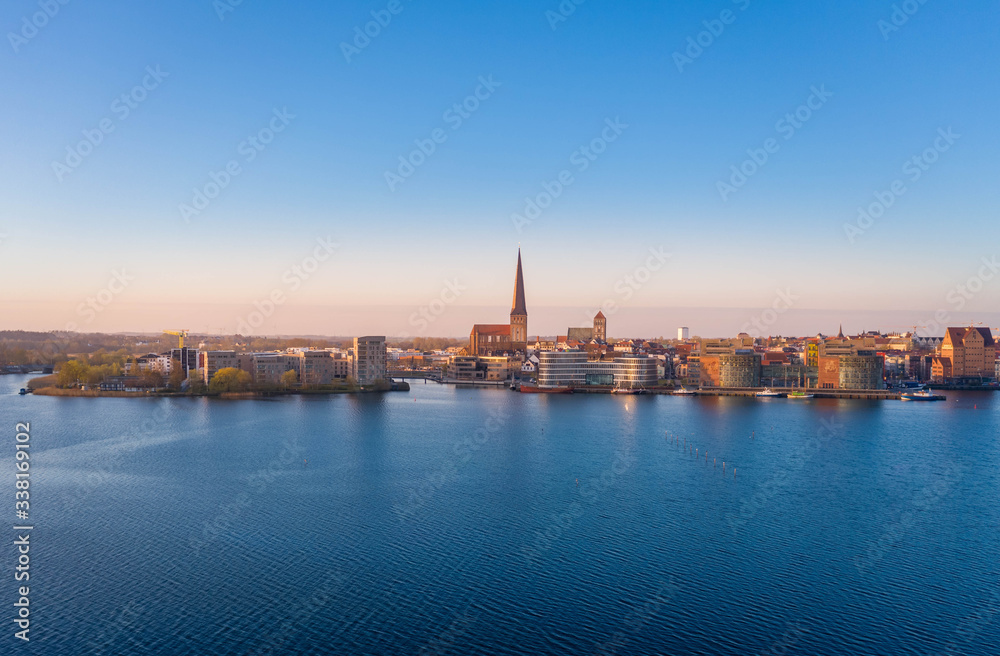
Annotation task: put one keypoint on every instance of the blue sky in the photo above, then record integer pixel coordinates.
(656, 185)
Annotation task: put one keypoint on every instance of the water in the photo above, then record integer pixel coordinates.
(483, 521)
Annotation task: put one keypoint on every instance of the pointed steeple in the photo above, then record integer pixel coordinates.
(840, 335)
(518, 306)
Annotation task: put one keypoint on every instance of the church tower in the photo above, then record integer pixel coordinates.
(519, 313)
(600, 327)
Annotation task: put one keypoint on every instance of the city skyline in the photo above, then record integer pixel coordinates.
(751, 183)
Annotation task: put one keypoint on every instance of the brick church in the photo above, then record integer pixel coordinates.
(504, 339)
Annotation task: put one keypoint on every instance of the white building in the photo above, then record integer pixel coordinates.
(368, 361)
(572, 369)
(683, 333)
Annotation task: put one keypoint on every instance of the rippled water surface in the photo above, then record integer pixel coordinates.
(461, 521)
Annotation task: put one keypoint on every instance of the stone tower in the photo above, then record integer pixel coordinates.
(600, 327)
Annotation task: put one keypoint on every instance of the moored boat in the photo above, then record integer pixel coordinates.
(684, 392)
(799, 395)
(924, 395)
(768, 393)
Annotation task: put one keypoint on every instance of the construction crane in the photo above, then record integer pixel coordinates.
(181, 334)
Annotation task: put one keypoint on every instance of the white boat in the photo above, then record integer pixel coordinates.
(684, 392)
(923, 395)
(769, 393)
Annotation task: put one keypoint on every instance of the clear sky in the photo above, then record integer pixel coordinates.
(670, 118)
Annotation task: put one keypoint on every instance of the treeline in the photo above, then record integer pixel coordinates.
(427, 343)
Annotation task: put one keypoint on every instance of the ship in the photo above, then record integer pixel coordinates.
(800, 395)
(684, 392)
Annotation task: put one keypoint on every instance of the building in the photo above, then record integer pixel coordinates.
(369, 359)
(465, 367)
(504, 339)
(210, 362)
(268, 368)
(321, 367)
(683, 333)
(966, 353)
(574, 369)
(600, 327)
(861, 369)
(188, 357)
(598, 332)
(741, 369)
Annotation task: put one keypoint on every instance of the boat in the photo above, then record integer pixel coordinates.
(625, 390)
(24, 390)
(923, 395)
(532, 389)
(800, 395)
(769, 393)
(684, 392)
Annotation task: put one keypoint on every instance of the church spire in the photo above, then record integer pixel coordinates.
(841, 333)
(518, 306)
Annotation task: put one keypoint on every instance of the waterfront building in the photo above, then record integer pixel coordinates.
(860, 369)
(368, 362)
(321, 367)
(464, 368)
(741, 369)
(966, 353)
(575, 369)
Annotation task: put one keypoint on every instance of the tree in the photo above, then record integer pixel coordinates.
(177, 375)
(150, 378)
(229, 379)
(289, 379)
(72, 373)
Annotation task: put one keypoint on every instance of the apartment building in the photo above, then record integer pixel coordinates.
(368, 362)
